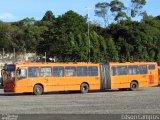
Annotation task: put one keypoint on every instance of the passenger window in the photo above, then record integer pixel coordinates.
(151, 67)
(70, 71)
(21, 74)
(58, 71)
(81, 71)
(46, 71)
(33, 72)
(114, 71)
(122, 70)
(133, 70)
(143, 69)
(92, 71)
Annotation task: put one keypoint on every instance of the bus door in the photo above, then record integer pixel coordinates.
(21, 80)
(119, 77)
(153, 75)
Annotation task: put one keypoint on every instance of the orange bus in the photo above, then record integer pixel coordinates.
(47, 77)
(158, 75)
(134, 75)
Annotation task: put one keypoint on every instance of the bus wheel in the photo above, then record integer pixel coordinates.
(134, 86)
(38, 90)
(84, 88)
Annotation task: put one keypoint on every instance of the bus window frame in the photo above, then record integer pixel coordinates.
(150, 67)
(41, 74)
(18, 75)
(120, 71)
(135, 71)
(63, 71)
(89, 73)
(84, 75)
(140, 71)
(69, 72)
(36, 74)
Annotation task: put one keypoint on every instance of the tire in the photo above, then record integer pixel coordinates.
(84, 88)
(38, 90)
(134, 86)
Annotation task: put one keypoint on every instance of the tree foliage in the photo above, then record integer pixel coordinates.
(66, 37)
(102, 10)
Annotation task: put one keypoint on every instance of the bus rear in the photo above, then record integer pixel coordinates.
(129, 75)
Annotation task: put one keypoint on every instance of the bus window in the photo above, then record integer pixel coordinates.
(58, 71)
(92, 71)
(70, 71)
(46, 71)
(133, 70)
(122, 70)
(81, 71)
(143, 69)
(114, 71)
(21, 73)
(33, 72)
(151, 67)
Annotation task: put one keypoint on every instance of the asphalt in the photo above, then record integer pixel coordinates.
(143, 101)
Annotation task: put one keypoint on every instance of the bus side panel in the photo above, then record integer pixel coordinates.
(74, 83)
(119, 82)
(105, 76)
(141, 79)
(153, 79)
(159, 76)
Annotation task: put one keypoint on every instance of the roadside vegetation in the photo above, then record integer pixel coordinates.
(120, 38)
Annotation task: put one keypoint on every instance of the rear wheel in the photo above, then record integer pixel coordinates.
(38, 90)
(134, 86)
(84, 88)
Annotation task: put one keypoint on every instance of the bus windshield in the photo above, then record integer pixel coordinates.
(10, 69)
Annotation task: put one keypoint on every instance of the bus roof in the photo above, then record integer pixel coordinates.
(54, 64)
(131, 63)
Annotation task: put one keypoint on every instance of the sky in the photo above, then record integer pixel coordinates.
(15, 10)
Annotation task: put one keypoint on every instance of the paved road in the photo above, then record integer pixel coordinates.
(144, 101)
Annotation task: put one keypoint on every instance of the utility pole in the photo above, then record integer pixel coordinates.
(87, 8)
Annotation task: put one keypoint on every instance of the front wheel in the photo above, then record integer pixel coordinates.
(84, 88)
(38, 90)
(134, 86)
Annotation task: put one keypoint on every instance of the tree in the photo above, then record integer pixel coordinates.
(48, 16)
(112, 53)
(102, 10)
(137, 5)
(5, 35)
(117, 8)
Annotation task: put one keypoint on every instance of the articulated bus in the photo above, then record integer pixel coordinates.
(38, 78)
(159, 75)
